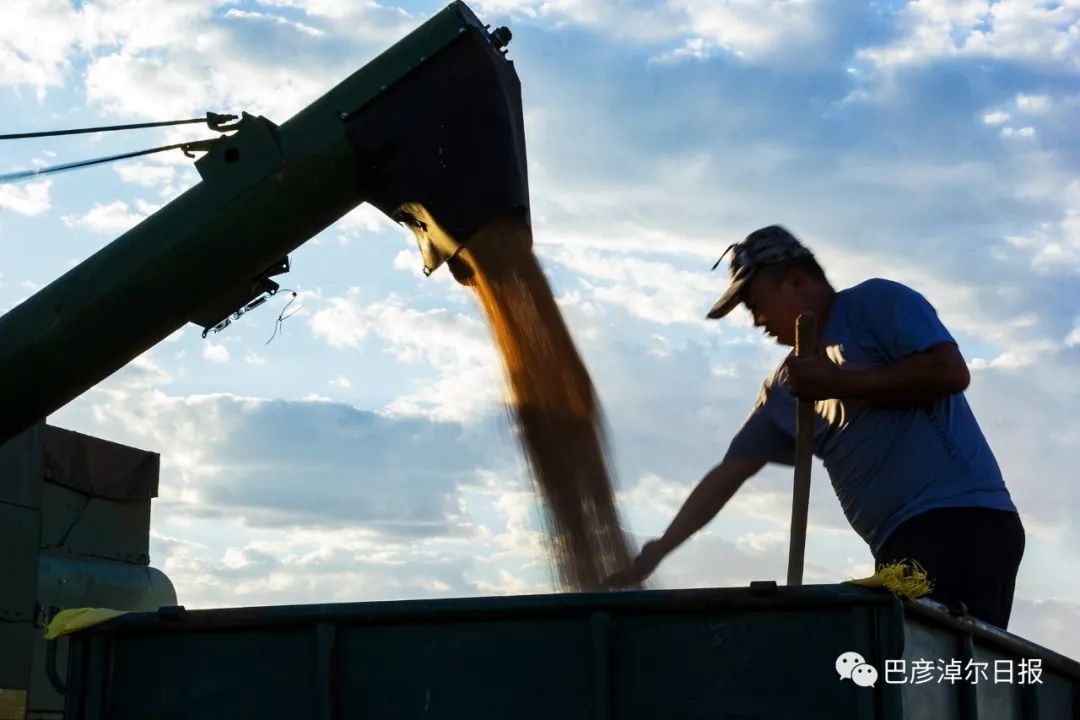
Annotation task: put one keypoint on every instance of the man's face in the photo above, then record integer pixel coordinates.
(775, 303)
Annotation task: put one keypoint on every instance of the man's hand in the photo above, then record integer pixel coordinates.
(642, 566)
(814, 378)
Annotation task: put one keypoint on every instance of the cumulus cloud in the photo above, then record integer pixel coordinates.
(456, 346)
(1034, 104)
(137, 86)
(341, 323)
(767, 32)
(1052, 247)
(650, 290)
(146, 175)
(275, 19)
(363, 219)
(1024, 133)
(761, 31)
(380, 480)
(215, 353)
(34, 42)
(30, 198)
(1030, 31)
(111, 219)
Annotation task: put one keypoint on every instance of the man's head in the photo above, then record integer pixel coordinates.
(777, 278)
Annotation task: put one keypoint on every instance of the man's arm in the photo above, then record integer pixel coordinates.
(704, 502)
(940, 370)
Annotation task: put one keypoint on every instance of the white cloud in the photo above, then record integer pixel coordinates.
(111, 219)
(1073, 338)
(34, 41)
(1029, 31)
(341, 323)
(1033, 103)
(184, 57)
(1026, 355)
(365, 218)
(469, 383)
(755, 30)
(254, 359)
(135, 86)
(30, 198)
(752, 30)
(650, 290)
(457, 347)
(659, 346)
(1024, 133)
(276, 19)
(215, 353)
(1051, 247)
(995, 118)
(341, 382)
(388, 18)
(759, 542)
(138, 27)
(692, 49)
(145, 174)
(410, 262)
(40, 38)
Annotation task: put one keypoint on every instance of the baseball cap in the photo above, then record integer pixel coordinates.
(767, 246)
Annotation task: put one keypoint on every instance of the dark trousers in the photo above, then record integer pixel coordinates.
(970, 555)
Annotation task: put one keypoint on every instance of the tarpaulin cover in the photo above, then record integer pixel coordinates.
(69, 621)
(98, 467)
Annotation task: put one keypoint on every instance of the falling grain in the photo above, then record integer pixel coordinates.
(553, 403)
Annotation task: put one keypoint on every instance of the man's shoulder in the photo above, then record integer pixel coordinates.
(878, 295)
(877, 287)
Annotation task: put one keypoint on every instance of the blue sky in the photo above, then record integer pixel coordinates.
(364, 453)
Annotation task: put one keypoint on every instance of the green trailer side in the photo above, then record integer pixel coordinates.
(764, 652)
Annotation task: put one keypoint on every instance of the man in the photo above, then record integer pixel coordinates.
(907, 460)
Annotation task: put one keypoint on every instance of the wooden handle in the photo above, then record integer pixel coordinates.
(805, 345)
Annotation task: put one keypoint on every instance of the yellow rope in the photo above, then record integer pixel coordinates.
(906, 578)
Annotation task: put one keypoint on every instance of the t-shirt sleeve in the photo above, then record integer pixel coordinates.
(768, 433)
(900, 320)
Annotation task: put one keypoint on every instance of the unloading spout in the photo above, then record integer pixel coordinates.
(443, 150)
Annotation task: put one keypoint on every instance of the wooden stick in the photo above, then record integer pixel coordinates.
(805, 343)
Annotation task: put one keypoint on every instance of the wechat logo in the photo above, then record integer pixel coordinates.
(853, 666)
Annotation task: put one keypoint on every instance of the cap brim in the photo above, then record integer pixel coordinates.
(729, 300)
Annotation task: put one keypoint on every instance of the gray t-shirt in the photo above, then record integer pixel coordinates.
(886, 463)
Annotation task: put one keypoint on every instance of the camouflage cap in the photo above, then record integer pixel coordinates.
(767, 246)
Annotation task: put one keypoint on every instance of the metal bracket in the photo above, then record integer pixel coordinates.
(263, 284)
